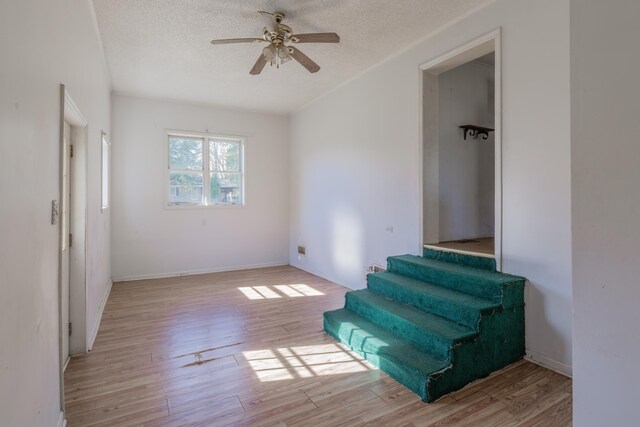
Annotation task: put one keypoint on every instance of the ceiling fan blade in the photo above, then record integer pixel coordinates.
(304, 60)
(258, 66)
(230, 41)
(316, 38)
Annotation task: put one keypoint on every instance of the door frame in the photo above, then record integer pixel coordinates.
(71, 114)
(65, 229)
(487, 43)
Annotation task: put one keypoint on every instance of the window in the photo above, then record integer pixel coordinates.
(205, 170)
(105, 171)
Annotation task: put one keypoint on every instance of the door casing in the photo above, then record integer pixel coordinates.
(73, 309)
(487, 43)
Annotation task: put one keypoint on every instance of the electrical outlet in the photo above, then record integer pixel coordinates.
(375, 269)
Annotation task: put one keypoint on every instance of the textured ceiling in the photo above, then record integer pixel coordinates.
(161, 49)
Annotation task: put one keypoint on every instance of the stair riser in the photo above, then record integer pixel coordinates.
(405, 375)
(494, 349)
(482, 263)
(422, 338)
(425, 301)
(477, 286)
(413, 343)
(500, 343)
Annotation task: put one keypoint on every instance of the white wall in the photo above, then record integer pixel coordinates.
(467, 167)
(356, 165)
(43, 43)
(605, 158)
(151, 241)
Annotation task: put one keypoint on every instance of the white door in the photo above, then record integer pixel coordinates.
(65, 240)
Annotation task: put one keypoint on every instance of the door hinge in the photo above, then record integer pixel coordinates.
(70, 150)
(70, 329)
(70, 239)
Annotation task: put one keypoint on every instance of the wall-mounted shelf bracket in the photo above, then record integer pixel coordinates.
(476, 131)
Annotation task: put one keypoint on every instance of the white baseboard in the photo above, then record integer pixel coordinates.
(62, 421)
(548, 363)
(196, 272)
(96, 326)
(335, 281)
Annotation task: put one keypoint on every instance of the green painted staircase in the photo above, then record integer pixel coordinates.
(436, 322)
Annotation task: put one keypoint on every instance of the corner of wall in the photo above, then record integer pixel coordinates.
(549, 363)
(94, 330)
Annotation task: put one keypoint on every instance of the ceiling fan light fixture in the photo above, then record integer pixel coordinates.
(269, 52)
(283, 54)
(279, 51)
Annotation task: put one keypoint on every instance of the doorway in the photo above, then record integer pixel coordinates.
(462, 170)
(65, 238)
(72, 229)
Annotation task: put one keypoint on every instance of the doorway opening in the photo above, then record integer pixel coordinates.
(65, 238)
(462, 170)
(72, 223)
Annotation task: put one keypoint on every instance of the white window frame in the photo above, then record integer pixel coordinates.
(105, 166)
(206, 170)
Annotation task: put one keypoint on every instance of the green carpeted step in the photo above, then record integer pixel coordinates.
(481, 262)
(501, 288)
(457, 306)
(426, 331)
(434, 323)
(394, 355)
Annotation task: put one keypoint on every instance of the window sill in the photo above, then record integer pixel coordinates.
(218, 206)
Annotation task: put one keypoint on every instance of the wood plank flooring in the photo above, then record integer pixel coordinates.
(481, 245)
(246, 348)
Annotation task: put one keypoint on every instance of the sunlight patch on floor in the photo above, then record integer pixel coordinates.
(279, 291)
(266, 292)
(306, 290)
(289, 291)
(250, 293)
(304, 362)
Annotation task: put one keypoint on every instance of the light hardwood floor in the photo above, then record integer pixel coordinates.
(247, 348)
(481, 245)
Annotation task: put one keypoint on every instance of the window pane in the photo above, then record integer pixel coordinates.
(226, 188)
(185, 187)
(225, 155)
(185, 153)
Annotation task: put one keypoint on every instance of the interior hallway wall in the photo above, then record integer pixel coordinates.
(605, 159)
(356, 159)
(44, 43)
(466, 167)
(150, 240)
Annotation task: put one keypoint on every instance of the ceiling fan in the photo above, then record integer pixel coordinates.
(280, 49)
